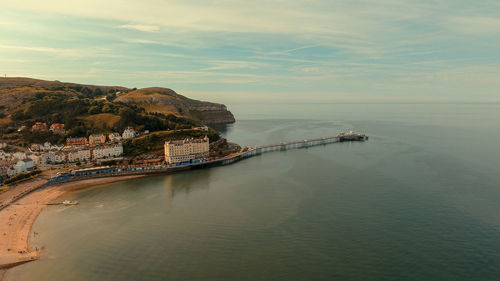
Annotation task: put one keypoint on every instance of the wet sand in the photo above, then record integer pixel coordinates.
(17, 219)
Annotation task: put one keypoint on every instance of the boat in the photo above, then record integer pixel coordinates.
(68, 202)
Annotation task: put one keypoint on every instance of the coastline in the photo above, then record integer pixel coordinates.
(20, 208)
(17, 219)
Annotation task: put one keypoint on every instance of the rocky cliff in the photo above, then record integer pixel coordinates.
(167, 101)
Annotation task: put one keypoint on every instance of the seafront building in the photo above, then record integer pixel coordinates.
(53, 157)
(78, 155)
(20, 167)
(107, 151)
(186, 150)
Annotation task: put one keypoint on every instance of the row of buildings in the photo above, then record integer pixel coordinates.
(95, 148)
(20, 162)
(99, 139)
(71, 154)
(82, 154)
(57, 128)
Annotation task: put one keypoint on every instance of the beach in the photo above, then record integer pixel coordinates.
(17, 219)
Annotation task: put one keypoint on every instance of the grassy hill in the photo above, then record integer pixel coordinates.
(87, 109)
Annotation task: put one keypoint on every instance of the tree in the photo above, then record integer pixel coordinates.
(94, 109)
(107, 109)
(111, 97)
(97, 92)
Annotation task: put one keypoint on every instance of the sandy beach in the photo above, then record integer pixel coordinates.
(17, 219)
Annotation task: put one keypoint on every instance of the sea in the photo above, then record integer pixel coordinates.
(420, 200)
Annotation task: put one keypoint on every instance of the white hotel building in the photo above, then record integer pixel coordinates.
(186, 150)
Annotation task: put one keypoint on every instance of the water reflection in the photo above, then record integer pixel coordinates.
(185, 183)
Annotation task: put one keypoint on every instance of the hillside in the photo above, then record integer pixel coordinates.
(86, 109)
(167, 101)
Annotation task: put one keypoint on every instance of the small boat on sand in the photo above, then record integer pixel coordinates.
(68, 202)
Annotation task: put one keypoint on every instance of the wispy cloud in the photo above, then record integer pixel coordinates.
(228, 64)
(56, 51)
(141, 27)
(140, 41)
(474, 25)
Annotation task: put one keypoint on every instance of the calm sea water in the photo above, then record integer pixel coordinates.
(419, 201)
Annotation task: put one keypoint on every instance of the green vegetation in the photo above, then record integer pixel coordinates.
(155, 141)
(60, 108)
(88, 109)
(22, 177)
(82, 116)
(26, 138)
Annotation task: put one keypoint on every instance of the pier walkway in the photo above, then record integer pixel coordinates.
(206, 162)
(292, 145)
(282, 146)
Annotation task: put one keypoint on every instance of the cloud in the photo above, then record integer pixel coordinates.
(335, 18)
(58, 51)
(140, 41)
(229, 64)
(474, 25)
(471, 76)
(141, 27)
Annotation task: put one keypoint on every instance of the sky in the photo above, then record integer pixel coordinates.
(262, 50)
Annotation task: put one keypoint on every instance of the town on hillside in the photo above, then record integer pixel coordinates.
(97, 150)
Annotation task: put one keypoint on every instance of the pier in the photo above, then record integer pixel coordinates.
(99, 172)
(292, 145)
(283, 146)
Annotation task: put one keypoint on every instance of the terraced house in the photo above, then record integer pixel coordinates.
(107, 151)
(78, 155)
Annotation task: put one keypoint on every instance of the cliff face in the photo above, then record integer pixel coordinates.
(167, 101)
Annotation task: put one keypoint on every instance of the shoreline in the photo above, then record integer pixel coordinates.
(17, 219)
